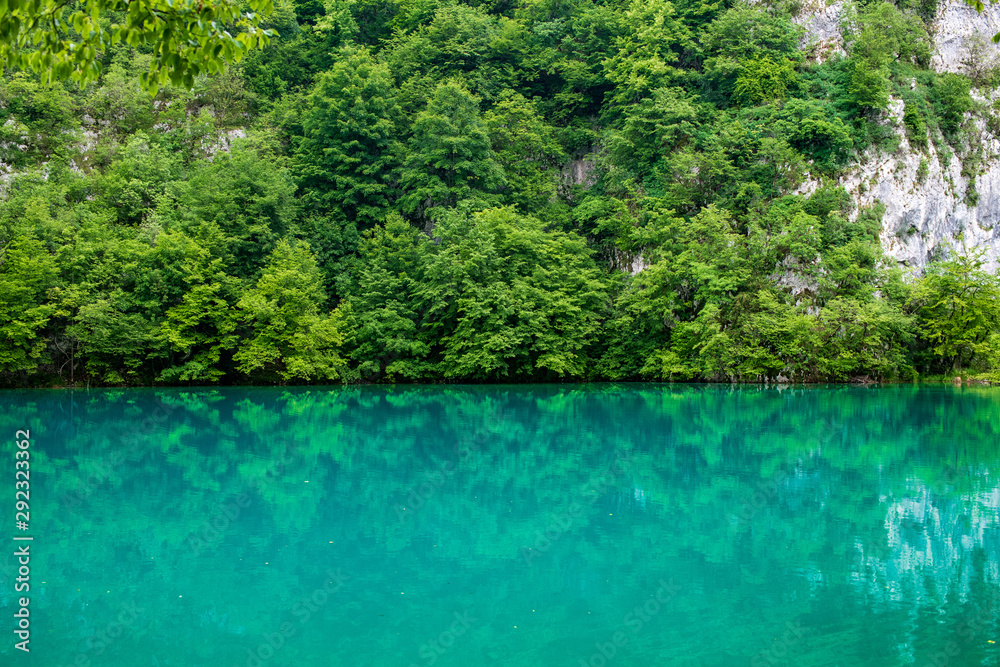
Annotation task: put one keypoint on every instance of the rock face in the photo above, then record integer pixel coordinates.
(577, 172)
(931, 206)
(821, 22)
(955, 24)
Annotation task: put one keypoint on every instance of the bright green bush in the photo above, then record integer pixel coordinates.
(951, 100)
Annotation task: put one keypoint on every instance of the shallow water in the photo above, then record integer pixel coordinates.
(508, 526)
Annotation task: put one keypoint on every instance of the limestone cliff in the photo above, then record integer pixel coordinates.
(938, 197)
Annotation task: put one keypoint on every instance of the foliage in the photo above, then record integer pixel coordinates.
(36, 120)
(867, 82)
(350, 138)
(666, 320)
(882, 33)
(459, 42)
(816, 131)
(762, 80)
(27, 271)
(951, 100)
(745, 37)
(384, 323)
(507, 299)
(916, 128)
(198, 327)
(289, 335)
(450, 157)
(418, 190)
(187, 37)
(526, 150)
(646, 57)
(236, 206)
(958, 304)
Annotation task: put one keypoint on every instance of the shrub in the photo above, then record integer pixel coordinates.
(762, 80)
(951, 100)
(916, 127)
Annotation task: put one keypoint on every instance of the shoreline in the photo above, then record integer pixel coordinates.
(956, 381)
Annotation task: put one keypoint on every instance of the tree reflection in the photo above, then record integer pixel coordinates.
(868, 515)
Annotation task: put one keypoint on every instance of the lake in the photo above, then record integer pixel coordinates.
(552, 525)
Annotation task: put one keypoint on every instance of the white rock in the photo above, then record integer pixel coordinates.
(924, 220)
(955, 23)
(822, 24)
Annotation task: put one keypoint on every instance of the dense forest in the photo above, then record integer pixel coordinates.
(429, 191)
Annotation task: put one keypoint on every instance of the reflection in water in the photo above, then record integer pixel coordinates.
(513, 526)
(939, 544)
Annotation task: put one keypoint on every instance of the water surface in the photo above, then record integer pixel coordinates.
(509, 526)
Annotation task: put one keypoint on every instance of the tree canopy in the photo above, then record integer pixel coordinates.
(435, 191)
(64, 41)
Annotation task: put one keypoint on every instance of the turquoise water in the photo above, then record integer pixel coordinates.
(508, 526)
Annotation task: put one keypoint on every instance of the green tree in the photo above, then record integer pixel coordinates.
(852, 269)
(115, 339)
(745, 31)
(120, 102)
(289, 336)
(526, 149)
(198, 331)
(648, 55)
(951, 100)
(762, 80)
(458, 42)
(876, 38)
(133, 185)
(504, 298)
(450, 157)
(187, 37)
(881, 33)
(198, 325)
(36, 121)
(740, 36)
(27, 272)
(652, 129)
(913, 120)
(695, 269)
(958, 309)
(233, 104)
(777, 338)
(385, 319)
(350, 145)
(814, 129)
(563, 54)
(867, 82)
(868, 337)
(236, 207)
